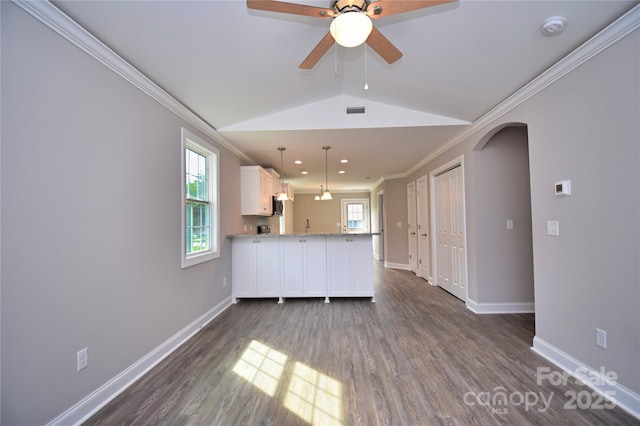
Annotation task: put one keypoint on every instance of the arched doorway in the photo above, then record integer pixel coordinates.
(504, 246)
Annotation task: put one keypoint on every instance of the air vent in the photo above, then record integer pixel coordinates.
(355, 110)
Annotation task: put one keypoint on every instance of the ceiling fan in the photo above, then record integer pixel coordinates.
(351, 23)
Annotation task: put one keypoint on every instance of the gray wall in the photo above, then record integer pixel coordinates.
(585, 128)
(90, 224)
(504, 257)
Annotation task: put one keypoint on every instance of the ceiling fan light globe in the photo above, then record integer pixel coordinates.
(351, 29)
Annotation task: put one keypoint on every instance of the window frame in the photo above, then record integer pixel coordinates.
(190, 141)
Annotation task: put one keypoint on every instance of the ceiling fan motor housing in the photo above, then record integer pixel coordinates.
(342, 6)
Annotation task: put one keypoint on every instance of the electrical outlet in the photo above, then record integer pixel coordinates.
(601, 338)
(509, 224)
(224, 281)
(82, 358)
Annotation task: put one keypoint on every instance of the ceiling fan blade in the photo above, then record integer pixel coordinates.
(293, 8)
(383, 46)
(382, 8)
(317, 52)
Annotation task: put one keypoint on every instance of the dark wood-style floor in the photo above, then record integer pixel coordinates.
(415, 357)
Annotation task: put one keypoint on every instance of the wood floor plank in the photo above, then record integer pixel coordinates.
(408, 359)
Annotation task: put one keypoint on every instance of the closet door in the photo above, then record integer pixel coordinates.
(450, 226)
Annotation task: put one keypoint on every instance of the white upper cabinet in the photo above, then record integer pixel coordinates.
(256, 191)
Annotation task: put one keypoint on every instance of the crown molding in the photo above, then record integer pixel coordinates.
(61, 23)
(611, 34)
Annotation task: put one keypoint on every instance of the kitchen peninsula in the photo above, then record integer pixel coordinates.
(302, 265)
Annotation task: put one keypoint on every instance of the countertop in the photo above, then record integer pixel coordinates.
(337, 234)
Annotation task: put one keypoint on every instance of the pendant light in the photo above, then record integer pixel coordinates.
(326, 195)
(282, 196)
(317, 198)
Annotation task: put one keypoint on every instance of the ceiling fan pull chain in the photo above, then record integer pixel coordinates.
(366, 69)
(335, 59)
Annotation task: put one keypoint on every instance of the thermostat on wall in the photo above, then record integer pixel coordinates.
(563, 188)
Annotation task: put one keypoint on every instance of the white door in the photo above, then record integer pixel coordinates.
(450, 226)
(379, 239)
(355, 215)
(412, 227)
(423, 227)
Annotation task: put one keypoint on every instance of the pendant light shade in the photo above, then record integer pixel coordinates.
(326, 195)
(282, 196)
(317, 198)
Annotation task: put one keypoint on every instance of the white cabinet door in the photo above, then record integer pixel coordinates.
(266, 192)
(256, 267)
(338, 265)
(361, 260)
(304, 270)
(244, 267)
(315, 280)
(268, 268)
(255, 191)
(350, 266)
(293, 268)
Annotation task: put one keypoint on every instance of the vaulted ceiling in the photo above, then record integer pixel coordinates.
(238, 70)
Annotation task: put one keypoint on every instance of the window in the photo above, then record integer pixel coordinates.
(200, 209)
(355, 215)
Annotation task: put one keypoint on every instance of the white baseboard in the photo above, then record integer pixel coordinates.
(623, 397)
(501, 308)
(403, 266)
(93, 402)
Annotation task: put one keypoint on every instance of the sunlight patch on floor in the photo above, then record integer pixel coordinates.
(261, 366)
(314, 397)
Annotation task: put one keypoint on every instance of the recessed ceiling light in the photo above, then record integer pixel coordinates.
(553, 26)
(341, 172)
(344, 161)
(304, 172)
(298, 162)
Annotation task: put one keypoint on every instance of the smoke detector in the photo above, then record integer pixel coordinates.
(553, 26)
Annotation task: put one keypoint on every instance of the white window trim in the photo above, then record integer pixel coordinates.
(190, 140)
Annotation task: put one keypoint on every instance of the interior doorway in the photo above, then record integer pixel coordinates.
(503, 225)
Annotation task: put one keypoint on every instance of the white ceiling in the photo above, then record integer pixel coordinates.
(238, 70)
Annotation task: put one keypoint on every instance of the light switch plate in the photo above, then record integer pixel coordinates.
(553, 227)
(509, 224)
